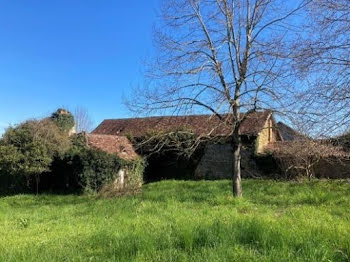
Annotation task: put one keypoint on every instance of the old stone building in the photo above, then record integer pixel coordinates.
(117, 145)
(258, 130)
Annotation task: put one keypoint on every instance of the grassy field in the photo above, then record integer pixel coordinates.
(183, 221)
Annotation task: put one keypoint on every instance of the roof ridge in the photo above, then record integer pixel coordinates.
(199, 124)
(178, 116)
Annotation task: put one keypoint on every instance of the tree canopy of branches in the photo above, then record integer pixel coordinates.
(83, 122)
(178, 141)
(298, 158)
(224, 57)
(324, 66)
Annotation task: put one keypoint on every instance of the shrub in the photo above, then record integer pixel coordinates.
(84, 169)
(343, 141)
(133, 171)
(39, 153)
(299, 158)
(97, 168)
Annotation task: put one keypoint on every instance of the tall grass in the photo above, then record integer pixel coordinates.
(183, 221)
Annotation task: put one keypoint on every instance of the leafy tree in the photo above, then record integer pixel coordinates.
(10, 159)
(29, 148)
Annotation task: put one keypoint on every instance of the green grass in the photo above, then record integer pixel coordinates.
(183, 221)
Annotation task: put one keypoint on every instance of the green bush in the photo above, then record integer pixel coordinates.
(133, 179)
(136, 169)
(63, 119)
(97, 169)
(28, 150)
(38, 154)
(84, 169)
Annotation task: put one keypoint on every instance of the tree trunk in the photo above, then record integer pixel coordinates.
(237, 145)
(37, 180)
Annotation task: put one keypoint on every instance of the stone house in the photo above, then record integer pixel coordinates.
(258, 130)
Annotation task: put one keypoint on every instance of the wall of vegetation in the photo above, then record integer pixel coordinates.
(39, 156)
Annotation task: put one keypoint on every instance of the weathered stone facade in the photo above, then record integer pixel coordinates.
(217, 160)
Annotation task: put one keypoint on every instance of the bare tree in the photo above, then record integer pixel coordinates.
(323, 64)
(224, 57)
(300, 157)
(83, 122)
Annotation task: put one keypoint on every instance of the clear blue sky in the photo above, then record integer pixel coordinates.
(69, 53)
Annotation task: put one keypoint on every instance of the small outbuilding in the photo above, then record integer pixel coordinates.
(120, 146)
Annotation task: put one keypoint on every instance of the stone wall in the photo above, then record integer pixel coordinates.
(217, 162)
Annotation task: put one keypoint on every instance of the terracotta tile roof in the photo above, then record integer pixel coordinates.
(199, 124)
(254, 123)
(119, 145)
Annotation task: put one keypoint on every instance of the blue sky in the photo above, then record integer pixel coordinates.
(64, 53)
